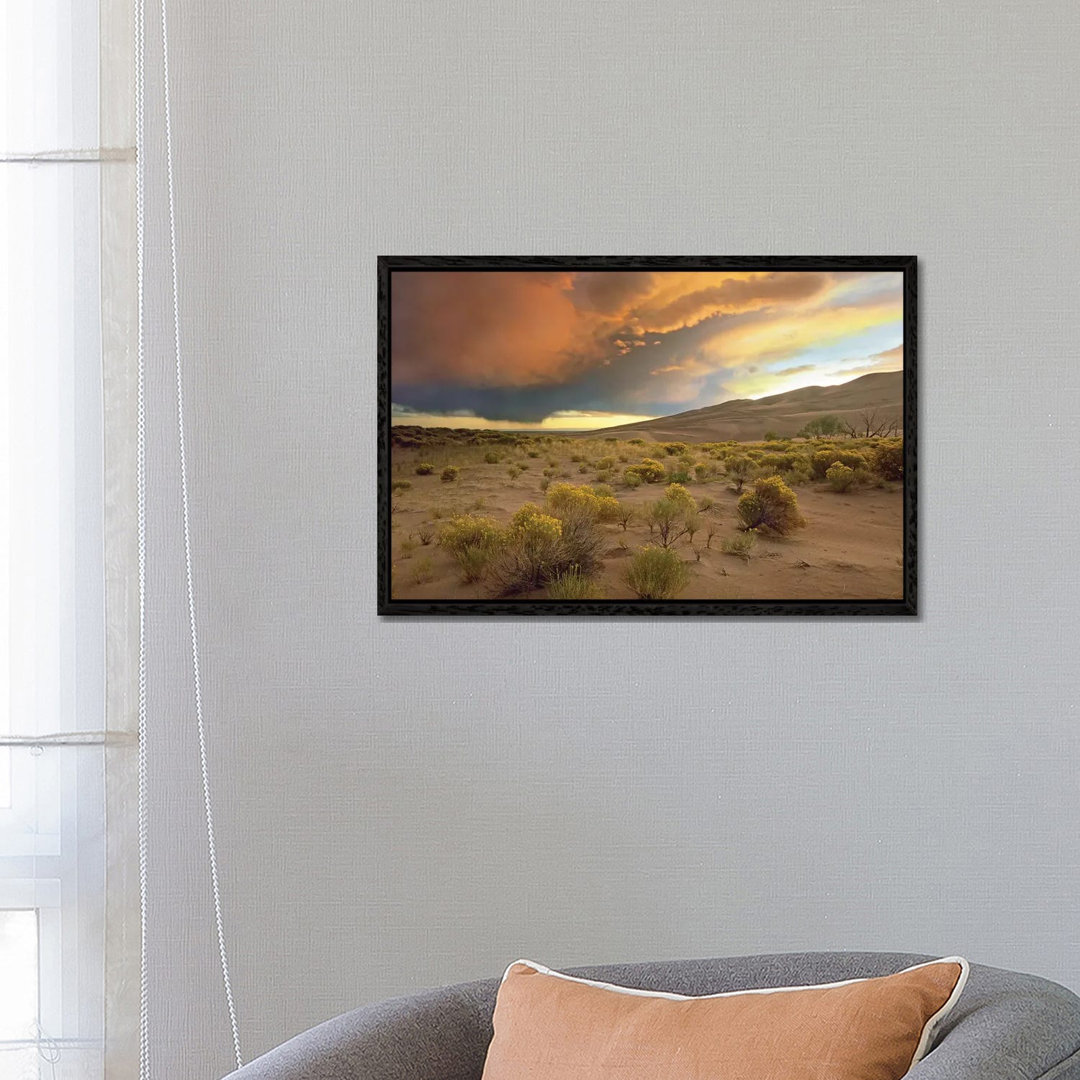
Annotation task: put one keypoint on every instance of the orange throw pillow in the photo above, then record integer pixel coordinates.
(550, 1026)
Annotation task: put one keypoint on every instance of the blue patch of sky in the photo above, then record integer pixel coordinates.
(852, 351)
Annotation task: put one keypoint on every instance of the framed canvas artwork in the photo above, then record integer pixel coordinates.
(676, 436)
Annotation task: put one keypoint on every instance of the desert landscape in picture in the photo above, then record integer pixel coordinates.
(672, 435)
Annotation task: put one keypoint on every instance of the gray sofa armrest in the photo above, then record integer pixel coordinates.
(440, 1034)
(1007, 1026)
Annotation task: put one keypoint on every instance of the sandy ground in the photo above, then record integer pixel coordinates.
(850, 549)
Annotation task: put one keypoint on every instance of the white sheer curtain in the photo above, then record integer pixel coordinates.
(54, 213)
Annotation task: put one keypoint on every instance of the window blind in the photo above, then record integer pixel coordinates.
(62, 251)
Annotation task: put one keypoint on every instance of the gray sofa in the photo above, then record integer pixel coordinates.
(1006, 1026)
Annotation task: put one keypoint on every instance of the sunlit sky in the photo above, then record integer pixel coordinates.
(572, 350)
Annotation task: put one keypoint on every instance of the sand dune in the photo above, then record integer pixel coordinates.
(747, 420)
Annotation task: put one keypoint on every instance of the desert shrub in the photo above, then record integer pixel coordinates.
(632, 479)
(887, 461)
(530, 524)
(449, 474)
(541, 547)
(400, 485)
(704, 471)
(423, 571)
(656, 573)
(738, 471)
(563, 497)
(406, 549)
(425, 534)
(581, 544)
(533, 453)
(514, 472)
(573, 585)
(553, 463)
(585, 468)
(649, 470)
(551, 472)
(673, 448)
(771, 436)
(473, 562)
(781, 462)
(465, 530)
(608, 509)
(691, 523)
(771, 505)
(606, 463)
(492, 458)
(605, 476)
(519, 567)
(823, 460)
(425, 468)
(853, 459)
(667, 521)
(678, 476)
(706, 502)
(676, 493)
(636, 442)
(798, 475)
(545, 483)
(740, 545)
(603, 490)
(625, 516)
(576, 458)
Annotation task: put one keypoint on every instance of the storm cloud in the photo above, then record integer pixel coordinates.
(521, 346)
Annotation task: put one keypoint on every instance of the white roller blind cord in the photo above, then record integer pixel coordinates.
(140, 104)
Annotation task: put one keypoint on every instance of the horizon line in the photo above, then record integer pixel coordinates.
(401, 420)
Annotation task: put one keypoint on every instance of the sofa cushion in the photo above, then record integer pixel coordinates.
(552, 1026)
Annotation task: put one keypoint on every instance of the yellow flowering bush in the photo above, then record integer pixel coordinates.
(467, 530)
(677, 494)
(840, 477)
(823, 460)
(608, 509)
(649, 470)
(888, 460)
(770, 505)
(531, 525)
(563, 498)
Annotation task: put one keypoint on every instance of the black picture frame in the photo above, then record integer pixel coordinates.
(907, 606)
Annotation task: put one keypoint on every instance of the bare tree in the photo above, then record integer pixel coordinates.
(871, 424)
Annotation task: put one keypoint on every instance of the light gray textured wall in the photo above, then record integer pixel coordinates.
(409, 803)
